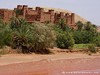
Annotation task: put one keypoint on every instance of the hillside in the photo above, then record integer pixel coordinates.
(77, 17)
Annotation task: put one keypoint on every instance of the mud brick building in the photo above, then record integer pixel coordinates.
(6, 14)
(39, 14)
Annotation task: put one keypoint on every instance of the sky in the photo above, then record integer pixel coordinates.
(88, 9)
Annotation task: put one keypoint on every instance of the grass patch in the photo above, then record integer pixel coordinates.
(81, 46)
(7, 50)
(1, 52)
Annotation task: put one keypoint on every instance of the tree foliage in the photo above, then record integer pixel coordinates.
(85, 33)
(96, 41)
(44, 37)
(64, 37)
(38, 37)
(80, 25)
(5, 34)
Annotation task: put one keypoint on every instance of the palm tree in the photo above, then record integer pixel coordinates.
(5, 34)
(18, 12)
(22, 34)
(88, 26)
(79, 25)
(62, 23)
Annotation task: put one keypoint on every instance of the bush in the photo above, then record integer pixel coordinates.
(64, 37)
(44, 37)
(36, 37)
(78, 37)
(92, 48)
(96, 41)
(19, 34)
(83, 37)
(65, 40)
(85, 33)
(5, 35)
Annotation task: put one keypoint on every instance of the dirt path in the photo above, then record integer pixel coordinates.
(59, 64)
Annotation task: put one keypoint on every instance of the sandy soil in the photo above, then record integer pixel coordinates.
(58, 64)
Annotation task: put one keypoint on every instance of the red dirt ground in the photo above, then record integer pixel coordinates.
(58, 64)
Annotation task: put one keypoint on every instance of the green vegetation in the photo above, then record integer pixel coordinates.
(92, 48)
(96, 41)
(85, 33)
(44, 37)
(5, 34)
(19, 34)
(64, 38)
(39, 37)
(81, 46)
(65, 41)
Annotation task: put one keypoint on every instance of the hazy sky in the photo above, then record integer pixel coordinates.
(88, 9)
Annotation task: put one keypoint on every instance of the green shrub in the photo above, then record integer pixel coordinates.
(64, 37)
(36, 37)
(78, 37)
(5, 34)
(97, 41)
(92, 48)
(83, 37)
(85, 33)
(44, 37)
(65, 41)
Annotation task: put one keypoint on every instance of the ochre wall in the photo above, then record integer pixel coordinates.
(37, 15)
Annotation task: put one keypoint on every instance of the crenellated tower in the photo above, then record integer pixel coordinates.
(39, 14)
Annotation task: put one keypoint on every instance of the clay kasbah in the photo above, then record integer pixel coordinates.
(25, 12)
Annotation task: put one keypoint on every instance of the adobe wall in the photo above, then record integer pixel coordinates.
(23, 11)
(1, 13)
(6, 14)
